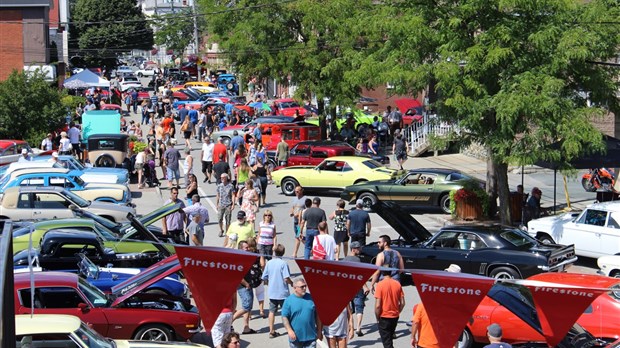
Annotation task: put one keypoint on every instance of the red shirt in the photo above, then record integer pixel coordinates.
(218, 149)
(166, 124)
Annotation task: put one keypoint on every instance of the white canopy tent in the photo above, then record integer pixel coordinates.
(86, 79)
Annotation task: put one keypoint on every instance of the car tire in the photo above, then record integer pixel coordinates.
(545, 239)
(226, 141)
(587, 185)
(105, 161)
(230, 86)
(466, 340)
(444, 203)
(369, 200)
(139, 74)
(288, 186)
(504, 273)
(154, 332)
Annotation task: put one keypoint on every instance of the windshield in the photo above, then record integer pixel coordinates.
(92, 338)
(94, 295)
(72, 164)
(4, 180)
(455, 176)
(372, 164)
(105, 232)
(79, 181)
(22, 232)
(81, 202)
(518, 238)
(291, 104)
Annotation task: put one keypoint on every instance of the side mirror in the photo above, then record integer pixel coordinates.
(83, 307)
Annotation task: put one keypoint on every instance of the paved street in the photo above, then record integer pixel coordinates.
(151, 198)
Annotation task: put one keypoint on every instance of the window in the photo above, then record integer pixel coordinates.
(614, 218)
(319, 154)
(51, 297)
(49, 201)
(593, 217)
(301, 150)
(32, 182)
(470, 241)
(447, 240)
(56, 340)
(24, 201)
(61, 182)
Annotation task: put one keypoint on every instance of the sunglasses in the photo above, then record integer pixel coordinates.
(267, 215)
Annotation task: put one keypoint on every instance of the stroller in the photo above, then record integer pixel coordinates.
(150, 176)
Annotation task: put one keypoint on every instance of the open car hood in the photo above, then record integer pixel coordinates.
(144, 279)
(139, 229)
(150, 218)
(402, 222)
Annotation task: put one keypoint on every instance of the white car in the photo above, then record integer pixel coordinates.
(59, 330)
(609, 265)
(130, 82)
(595, 232)
(150, 71)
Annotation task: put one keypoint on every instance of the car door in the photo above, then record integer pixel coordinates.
(50, 205)
(24, 209)
(610, 236)
(410, 191)
(586, 232)
(444, 249)
(316, 156)
(330, 174)
(62, 300)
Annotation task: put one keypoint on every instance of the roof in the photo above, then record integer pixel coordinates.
(64, 223)
(324, 143)
(8, 142)
(25, 189)
(22, 280)
(38, 170)
(25, 324)
(484, 228)
(348, 158)
(609, 206)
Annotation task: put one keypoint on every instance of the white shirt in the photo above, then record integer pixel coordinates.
(207, 152)
(140, 157)
(47, 144)
(74, 135)
(65, 145)
(329, 244)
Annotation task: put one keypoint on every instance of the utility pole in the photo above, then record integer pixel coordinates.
(196, 40)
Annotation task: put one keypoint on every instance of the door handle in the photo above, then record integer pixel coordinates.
(36, 213)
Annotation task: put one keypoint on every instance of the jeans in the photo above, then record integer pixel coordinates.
(310, 234)
(247, 297)
(145, 119)
(307, 344)
(201, 133)
(135, 106)
(387, 327)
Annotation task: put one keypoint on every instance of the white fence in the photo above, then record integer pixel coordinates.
(418, 134)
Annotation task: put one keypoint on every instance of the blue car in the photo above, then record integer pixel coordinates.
(69, 162)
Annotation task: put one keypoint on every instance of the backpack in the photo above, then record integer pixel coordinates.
(255, 275)
(318, 251)
(340, 221)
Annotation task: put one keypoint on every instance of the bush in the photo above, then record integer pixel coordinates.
(471, 190)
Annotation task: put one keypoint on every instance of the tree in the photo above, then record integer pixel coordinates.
(103, 29)
(513, 75)
(309, 43)
(29, 107)
(175, 30)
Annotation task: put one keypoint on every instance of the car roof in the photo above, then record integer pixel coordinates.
(26, 324)
(330, 143)
(445, 171)
(490, 229)
(22, 280)
(609, 206)
(348, 158)
(27, 189)
(39, 170)
(63, 223)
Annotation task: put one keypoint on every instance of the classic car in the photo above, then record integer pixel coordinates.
(61, 177)
(313, 152)
(11, 150)
(109, 150)
(609, 265)
(59, 330)
(91, 174)
(130, 82)
(518, 315)
(203, 86)
(227, 133)
(37, 202)
(424, 187)
(126, 313)
(59, 249)
(356, 119)
(228, 83)
(334, 173)
(594, 231)
(146, 72)
(287, 107)
(495, 251)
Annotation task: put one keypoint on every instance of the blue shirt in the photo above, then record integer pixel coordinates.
(276, 271)
(228, 108)
(193, 115)
(359, 218)
(257, 134)
(182, 113)
(236, 141)
(301, 314)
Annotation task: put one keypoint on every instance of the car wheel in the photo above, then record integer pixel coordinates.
(587, 185)
(369, 200)
(288, 186)
(230, 86)
(153, 332)
(444, 203)
(139, 74)
(504, 273)
(226, 141)
(105, 161)
(545, 239)
(466, 340)
(614, 274)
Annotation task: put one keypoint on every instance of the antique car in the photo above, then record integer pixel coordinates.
(91, 174)
(292, 133)
(287, 107)
(11, 150)
(518, 315)
(69, 331)
(126, 313)
(227, 133)
(424, 187)
(609, 265)
(594, 231)
(203, 86)
(37, 202)
(494, 251)
(313, 152)
(61, 177)
(43, 162)
(334, 173)
(228, 82)
(59, 249)
(356, 119)
(109, 150)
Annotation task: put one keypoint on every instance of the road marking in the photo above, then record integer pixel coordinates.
(203, 194)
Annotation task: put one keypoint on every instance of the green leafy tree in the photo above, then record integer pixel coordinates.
(29, 107)
(175, 30)
(511, 74)
(104, 29)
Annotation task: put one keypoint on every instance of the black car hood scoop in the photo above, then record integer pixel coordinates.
(410, 229)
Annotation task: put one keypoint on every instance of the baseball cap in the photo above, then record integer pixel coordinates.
(24, 151)
(359, 202)
(356, 245)
(453, 269)
(54, 154)
(494, 330)
(240, 214)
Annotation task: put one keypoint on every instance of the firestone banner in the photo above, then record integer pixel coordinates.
(560, 306)
(213, 275)
(333, 284)
(450, 299)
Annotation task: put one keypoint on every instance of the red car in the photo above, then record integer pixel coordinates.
(287, 107)
(601, 318)
(11, 150)
(127, 313)
(312, 153)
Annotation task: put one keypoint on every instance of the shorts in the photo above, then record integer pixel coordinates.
(359, 237)
(401, 156)
(139, 166)
(274, 305)
(297, 230)
(247, 298)
(207, 167)
(224, 213)
(187, 135)
(358, 303)
(266, 250)
(172, 174)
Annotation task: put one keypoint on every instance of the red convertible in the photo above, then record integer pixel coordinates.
(126, 313)
(601, 318)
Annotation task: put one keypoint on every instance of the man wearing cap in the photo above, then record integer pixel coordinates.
(310, 220)
(225, 201)
(358, 302)
(24, 157)
(47, 144)
(197, 209)
(54, 158)
(494, 333)
(238, 231)
(358, 223)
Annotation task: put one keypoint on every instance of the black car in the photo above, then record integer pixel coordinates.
(495, 251)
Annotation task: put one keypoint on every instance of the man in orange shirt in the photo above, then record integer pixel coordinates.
(167, 123)
(390, 301)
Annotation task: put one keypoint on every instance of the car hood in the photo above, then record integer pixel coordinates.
(152, 217)
(550, 223)
(144, 279)
(402, 222)
(111, 206)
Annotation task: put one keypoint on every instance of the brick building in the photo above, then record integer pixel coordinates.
(24, 34)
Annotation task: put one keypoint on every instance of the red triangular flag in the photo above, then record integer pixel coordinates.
(206, 266)
(556, 318)
(333, 284)
(450, 300)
